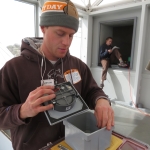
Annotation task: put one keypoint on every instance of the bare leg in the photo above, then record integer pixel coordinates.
(105, 65)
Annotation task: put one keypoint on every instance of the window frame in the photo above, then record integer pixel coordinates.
(133, 37)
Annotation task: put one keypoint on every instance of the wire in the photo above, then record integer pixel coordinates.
(42, 75)
(62, 69)
(70, 71)
(142, 112)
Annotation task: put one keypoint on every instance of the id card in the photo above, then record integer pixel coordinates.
(47, 82)
(72, 74)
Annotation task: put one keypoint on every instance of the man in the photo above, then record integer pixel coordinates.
(22, 81)
(108, 55)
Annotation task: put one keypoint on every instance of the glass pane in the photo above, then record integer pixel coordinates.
(5, 55)
(80, 2)
(75, 48)
(17, 22)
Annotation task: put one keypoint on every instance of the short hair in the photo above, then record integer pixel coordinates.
(109, 38)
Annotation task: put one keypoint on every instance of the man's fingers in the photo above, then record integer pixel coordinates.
(105, 118)
(113, 119)
(44, 108)
(42, 87)
(40, 93)
(99, 117)
(43, 92)
(110, 118)
(43, 99)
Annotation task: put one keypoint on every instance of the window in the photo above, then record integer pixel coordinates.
(123, 34)
(17, 22)
(75, 48)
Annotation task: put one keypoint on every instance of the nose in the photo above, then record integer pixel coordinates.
(66, 40)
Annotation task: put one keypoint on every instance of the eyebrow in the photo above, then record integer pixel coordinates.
(64, 31)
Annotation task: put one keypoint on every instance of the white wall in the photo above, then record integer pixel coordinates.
(145, 81)
(117, 84)
(107, 32)
(146, 51)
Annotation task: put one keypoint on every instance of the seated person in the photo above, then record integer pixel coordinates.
(108, 55)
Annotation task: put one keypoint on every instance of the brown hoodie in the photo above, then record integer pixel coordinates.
(19, 77)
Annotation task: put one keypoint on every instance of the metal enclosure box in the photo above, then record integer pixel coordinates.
(65, 92)
(82, 133)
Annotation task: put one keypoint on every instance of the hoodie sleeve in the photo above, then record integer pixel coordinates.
(9, 100)
(103, 53)
(90, 90)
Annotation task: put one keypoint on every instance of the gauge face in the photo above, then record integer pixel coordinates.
(65, 100)
(65, 97)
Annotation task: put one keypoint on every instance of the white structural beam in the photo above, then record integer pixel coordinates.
(89, 41)
(100, 10)
(80, 7)
(96, 3)
(140, 52)
(115, 3)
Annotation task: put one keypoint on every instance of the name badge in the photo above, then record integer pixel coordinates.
(47, 82)
(72, 74)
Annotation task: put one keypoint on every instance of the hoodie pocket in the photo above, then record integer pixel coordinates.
(34, 140)
(43, 134)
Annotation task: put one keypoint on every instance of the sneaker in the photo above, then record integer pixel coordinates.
(122, 64)
(101, 85)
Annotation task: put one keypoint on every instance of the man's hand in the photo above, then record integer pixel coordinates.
(110, 51)
(104, 114)
(33, 104)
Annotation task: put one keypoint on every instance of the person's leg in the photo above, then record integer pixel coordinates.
(116, 54)
(105, 65)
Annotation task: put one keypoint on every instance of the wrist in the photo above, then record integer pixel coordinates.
(102, 100)
(22, 113)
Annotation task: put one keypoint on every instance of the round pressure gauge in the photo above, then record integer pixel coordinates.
(65, 98)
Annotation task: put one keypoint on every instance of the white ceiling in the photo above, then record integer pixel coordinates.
(99, 2)
(94, 4)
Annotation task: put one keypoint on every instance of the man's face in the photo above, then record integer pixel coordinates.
(56, 41)
(109, 42)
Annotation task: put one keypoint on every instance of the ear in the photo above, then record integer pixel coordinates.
(42, 29)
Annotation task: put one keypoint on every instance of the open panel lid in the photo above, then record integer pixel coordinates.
(67, 103)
